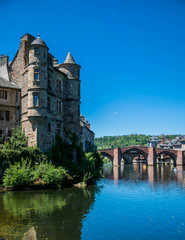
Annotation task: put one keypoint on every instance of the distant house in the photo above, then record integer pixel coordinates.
(153, 141)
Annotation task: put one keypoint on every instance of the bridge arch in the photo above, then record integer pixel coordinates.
(105, 154)
(137, 150)
(166, 152)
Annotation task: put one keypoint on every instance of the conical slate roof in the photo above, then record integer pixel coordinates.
(38, 41)
(69, 58)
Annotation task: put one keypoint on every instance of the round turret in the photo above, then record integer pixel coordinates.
(38, 41)
(70, 68)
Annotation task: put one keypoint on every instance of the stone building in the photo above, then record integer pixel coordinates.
(43, 95)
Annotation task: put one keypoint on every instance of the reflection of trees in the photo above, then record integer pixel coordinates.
(48, 214)
(25, 204)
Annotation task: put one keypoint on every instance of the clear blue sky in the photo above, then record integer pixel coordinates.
(132, 54)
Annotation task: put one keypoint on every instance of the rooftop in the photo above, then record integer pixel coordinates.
(6, 84)
(69, 58)
(38, 41)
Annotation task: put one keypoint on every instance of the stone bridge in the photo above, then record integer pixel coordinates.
(150, 154)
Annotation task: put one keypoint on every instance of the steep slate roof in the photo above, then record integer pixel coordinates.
(177, 144)
(38, 41)
(69, 58)
(6, 84)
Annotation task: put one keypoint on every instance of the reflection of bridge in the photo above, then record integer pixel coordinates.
(150, 154)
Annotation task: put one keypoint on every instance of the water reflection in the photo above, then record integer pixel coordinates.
(45, 214)
(164, 174)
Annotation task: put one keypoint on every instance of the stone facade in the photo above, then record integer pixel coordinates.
(9, 101)
(50, 95)
(87, 136)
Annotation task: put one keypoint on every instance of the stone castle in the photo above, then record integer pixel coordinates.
(42, 96)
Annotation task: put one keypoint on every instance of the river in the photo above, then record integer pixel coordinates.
(132, 202)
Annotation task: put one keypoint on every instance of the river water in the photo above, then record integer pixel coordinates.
(132, 202)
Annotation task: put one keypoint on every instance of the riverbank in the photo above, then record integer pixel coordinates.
(150, 198)
(24, 167)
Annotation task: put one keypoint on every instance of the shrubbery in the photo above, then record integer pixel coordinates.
(18, 176)
(21, 175)
(36, 171)
(13, 151)
(50, 175)
(81, 166)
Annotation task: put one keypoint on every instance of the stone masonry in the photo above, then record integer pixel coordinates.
(49, 95)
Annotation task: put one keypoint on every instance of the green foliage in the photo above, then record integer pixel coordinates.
(24, 205)
(22, 174)
(64, 154)
(125, 140)
(12, 151)
(75, 161)
(18, 139)
(9, 156)
(18, 176)
(50, 175)
(91, 166)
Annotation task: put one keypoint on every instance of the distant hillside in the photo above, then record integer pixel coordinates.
(125, 140)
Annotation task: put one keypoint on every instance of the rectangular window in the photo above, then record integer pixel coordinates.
(58, 125)
(78, 110)
(49, 127)
(3, 95)
(36, 50)
(7, 116)
(36, 74)
(49, 83)
(1, 137)
(59, 84)
(79, 90)
(58, 132)
(59, 107)
(2, 115)
(35, 100)
(48, 103)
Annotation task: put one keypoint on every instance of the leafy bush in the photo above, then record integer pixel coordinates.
(18, 139)
(91, 166)
(10, 156)
(81, 166)
(18, 176)
(49, 175)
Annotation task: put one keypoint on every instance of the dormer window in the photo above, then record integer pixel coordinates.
(36, 50)
(36, 74)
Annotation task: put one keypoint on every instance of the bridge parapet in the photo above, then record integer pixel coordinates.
(150, 153)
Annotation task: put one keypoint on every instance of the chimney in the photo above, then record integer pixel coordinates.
(55, 62)
(88, 125)
(4, 67)
(162, 140)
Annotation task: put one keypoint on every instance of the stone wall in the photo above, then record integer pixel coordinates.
(58, 91)
(11, 105)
